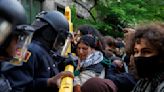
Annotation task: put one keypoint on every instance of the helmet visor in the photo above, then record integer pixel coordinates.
(60, 40)
(5, 30)
(24, 39)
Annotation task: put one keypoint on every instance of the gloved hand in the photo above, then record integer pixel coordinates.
(56, 80)
(73, 60)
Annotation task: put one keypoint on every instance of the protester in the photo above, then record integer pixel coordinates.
(100, 44)
(99, 85)
(88, 29)
(147, 49)
(126, 79)
(118, 64)
(110, 48)
(89, 61)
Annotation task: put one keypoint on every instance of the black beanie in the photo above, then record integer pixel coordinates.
(89, 40)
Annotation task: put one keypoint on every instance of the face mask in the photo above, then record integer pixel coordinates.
(147, 66)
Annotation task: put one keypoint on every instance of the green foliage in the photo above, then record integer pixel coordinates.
(111, 15)
(100, 25)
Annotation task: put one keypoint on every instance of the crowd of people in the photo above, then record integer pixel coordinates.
(31, 61)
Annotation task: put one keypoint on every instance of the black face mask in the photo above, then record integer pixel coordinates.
(147, 67)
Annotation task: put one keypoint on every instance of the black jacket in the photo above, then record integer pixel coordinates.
(43, 67)
(18, 76)
(33, 75)
(124, 81)
(4, 83)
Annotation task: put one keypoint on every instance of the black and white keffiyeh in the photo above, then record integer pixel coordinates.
(94, 58)
(155, 84)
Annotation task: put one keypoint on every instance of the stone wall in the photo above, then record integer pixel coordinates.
(55, 4)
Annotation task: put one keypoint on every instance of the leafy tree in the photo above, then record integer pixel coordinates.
(114, 15)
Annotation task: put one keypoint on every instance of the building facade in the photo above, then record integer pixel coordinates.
(32, 7)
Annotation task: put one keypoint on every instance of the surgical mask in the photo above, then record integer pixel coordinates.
(147, 67)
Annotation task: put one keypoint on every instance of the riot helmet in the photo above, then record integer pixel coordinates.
(14, 34)
(53, 28)
(14, 48)
(11, 14)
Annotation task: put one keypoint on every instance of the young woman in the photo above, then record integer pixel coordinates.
(147, 48)
(89, 29)
(90, 61)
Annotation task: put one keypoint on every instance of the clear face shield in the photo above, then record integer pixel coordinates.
(60, 41)
(24, 39)
(5, 29)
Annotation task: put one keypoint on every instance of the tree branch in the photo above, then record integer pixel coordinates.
(86, 9)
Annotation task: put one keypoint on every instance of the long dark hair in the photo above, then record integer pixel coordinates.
(153, 33)
(88, 29)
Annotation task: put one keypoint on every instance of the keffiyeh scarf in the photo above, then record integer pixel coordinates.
(94, 58)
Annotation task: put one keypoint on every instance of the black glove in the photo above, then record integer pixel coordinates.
(71, 60)
(63, 61)
(56, 56)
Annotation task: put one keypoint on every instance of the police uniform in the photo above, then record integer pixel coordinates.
(33, 75)
(10, 17)
(43, 67)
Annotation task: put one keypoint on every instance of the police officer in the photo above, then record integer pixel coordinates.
(40, 73)
(12, 38)
(51, 31)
